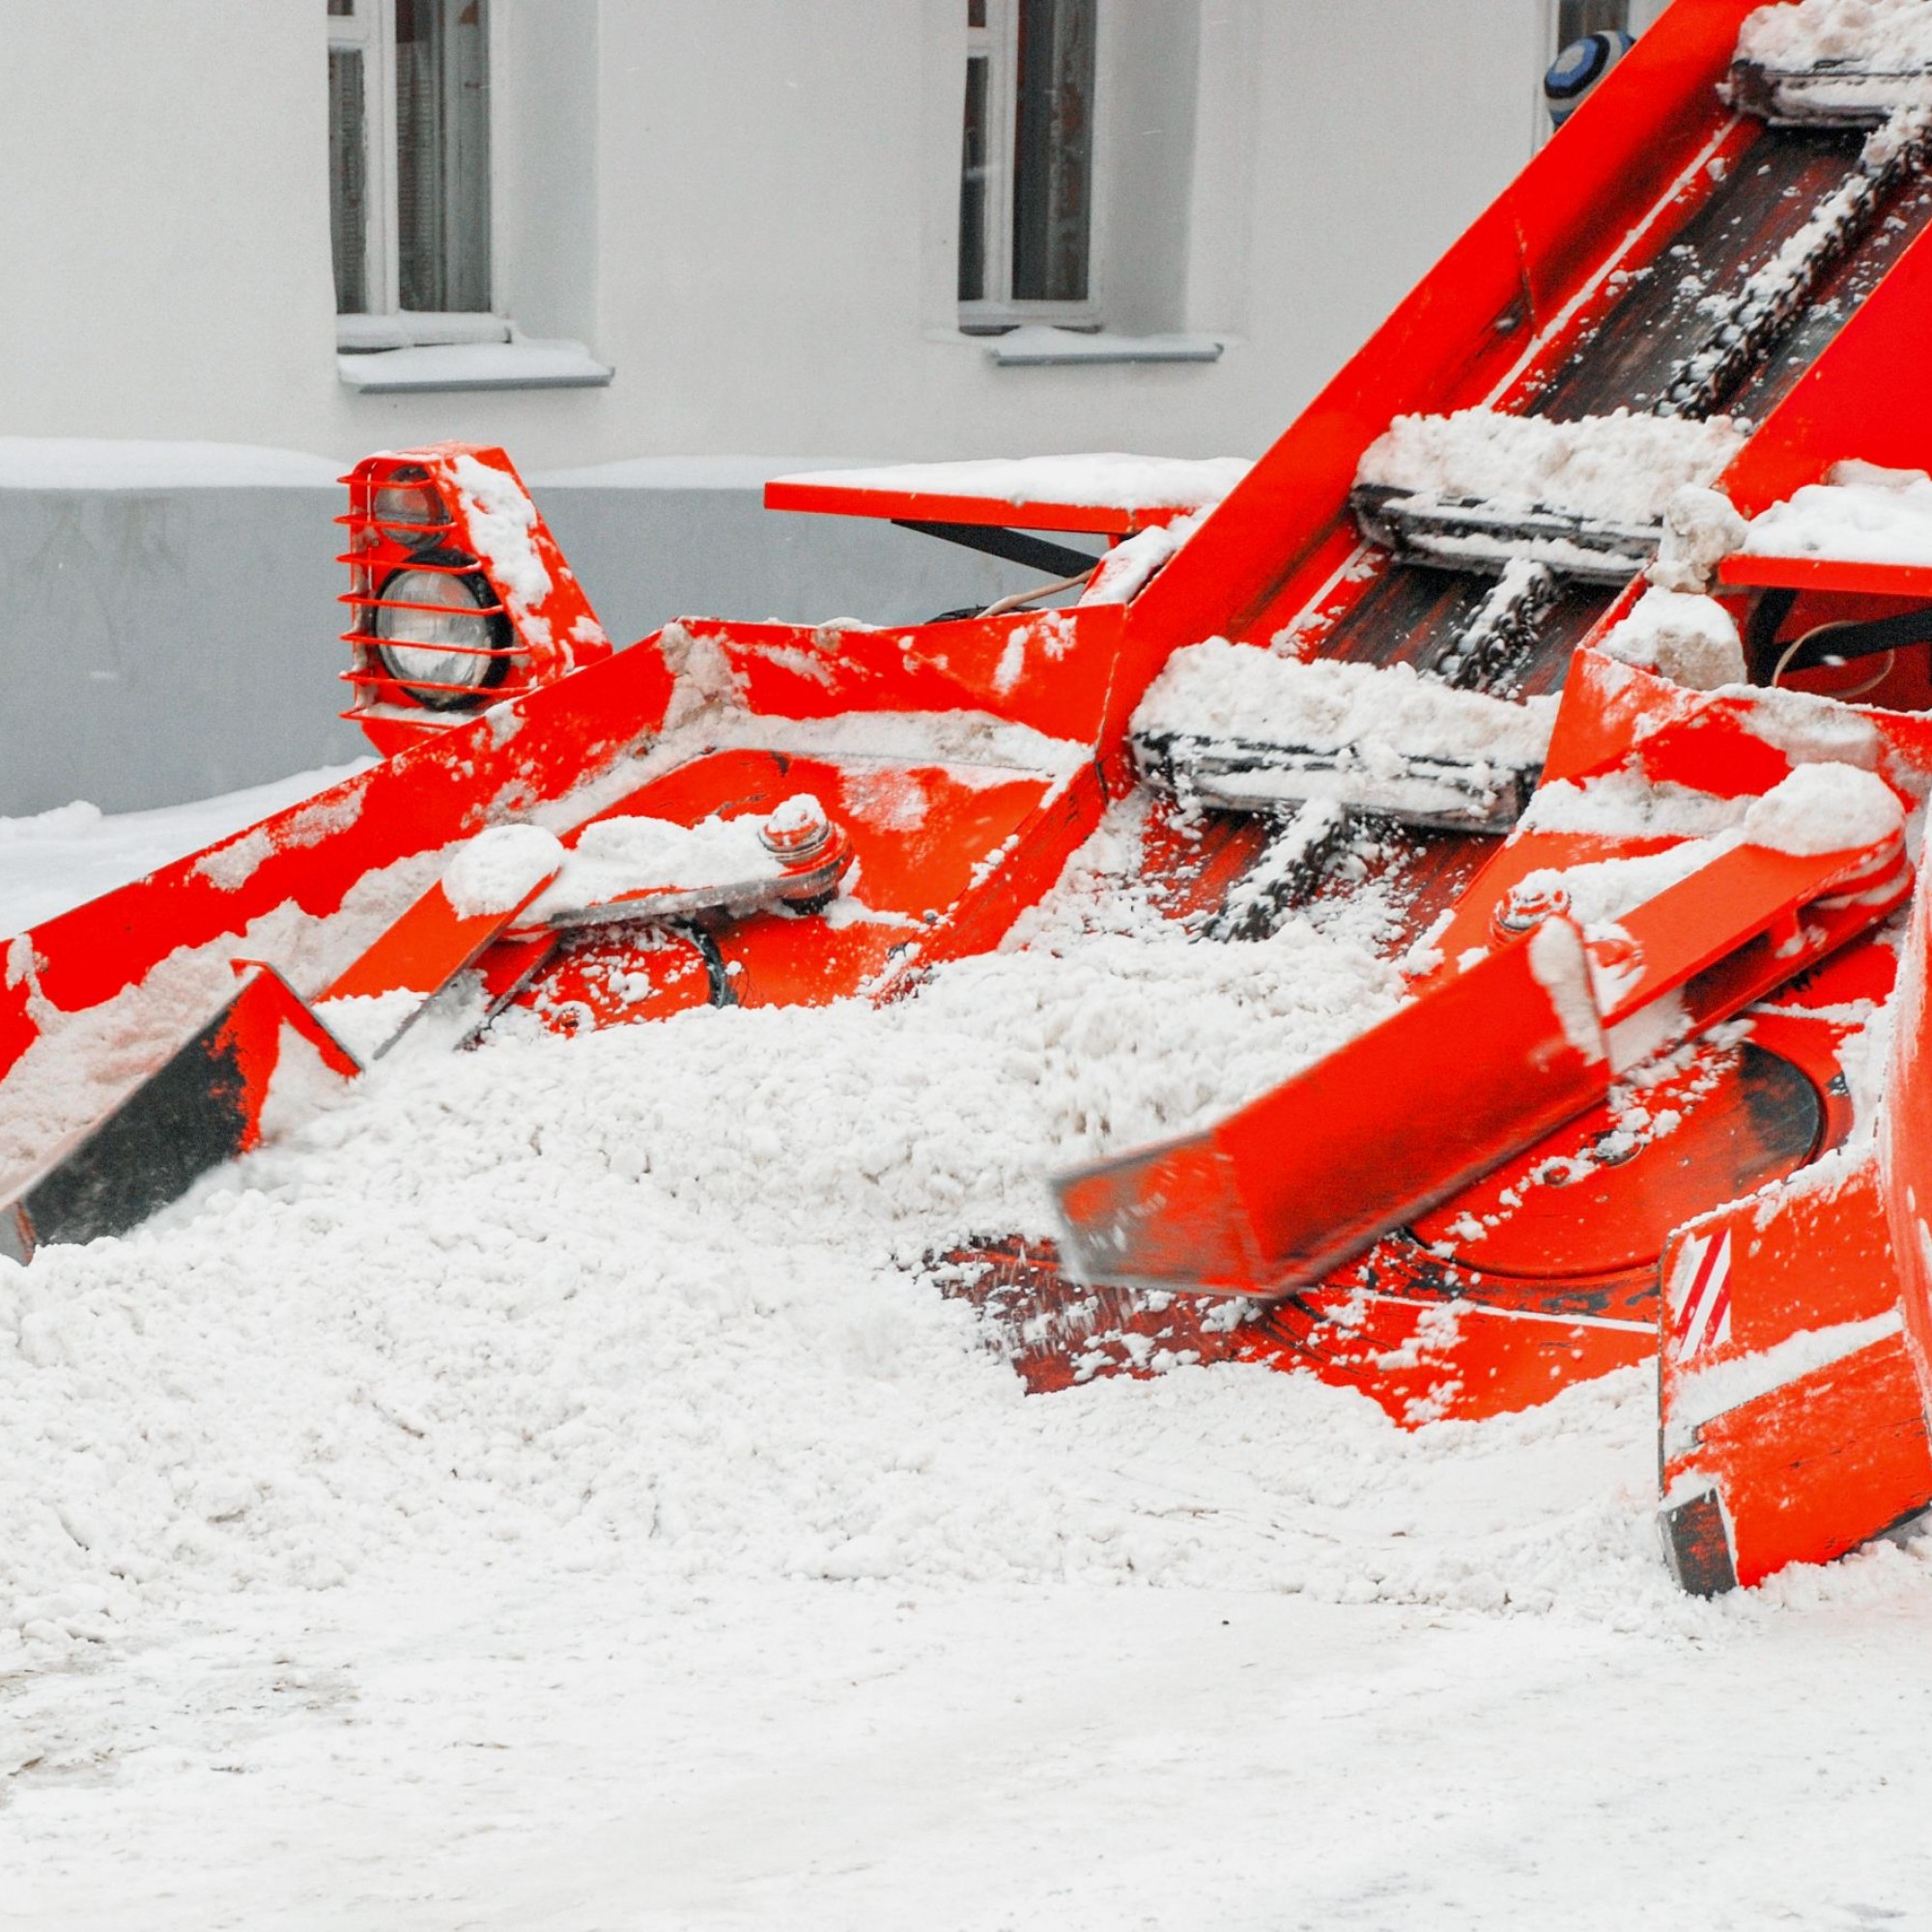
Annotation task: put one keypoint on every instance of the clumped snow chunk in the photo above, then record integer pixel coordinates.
(1701, 528)
(497, 869)
(1107, 479)
(1625, 805)
(1562, 969)
(618, 856)
(1887, 35)
(1618, 468)
(1689, 640)
(1385, 713)
(1601, 890)
(1861, 513)
(1821, 808)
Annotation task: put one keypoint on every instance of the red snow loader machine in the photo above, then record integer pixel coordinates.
(1589, 611)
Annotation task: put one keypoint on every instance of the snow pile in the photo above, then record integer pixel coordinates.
(1860, 514)
(1884, 36)
(1701, 528)
(641, 1299)
(1823, 809)
(1106, 480)
(1817, 809)
(498, 869)
(1600, 892)
(1385, 714)
(369, 1023)
(616, 857)
(1619, 469)
(1689, 640)
(1625, 805)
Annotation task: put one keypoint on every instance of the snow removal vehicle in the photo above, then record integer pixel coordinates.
(1588, 611)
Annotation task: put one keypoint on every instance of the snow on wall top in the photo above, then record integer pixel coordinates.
(1876, 34)
(1860, 514)
(93, 463)
(1621, 468)
(1107, 479)
(1218, 690)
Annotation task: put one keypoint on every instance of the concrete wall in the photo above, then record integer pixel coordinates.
(169, 643)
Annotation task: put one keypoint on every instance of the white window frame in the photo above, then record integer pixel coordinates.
(370, 28)
(998, 42)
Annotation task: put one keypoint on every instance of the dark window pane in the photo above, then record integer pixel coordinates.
(442, 154)
(1053, 149)
(973, 186)
(344, 10)
(1576, 18)
(347, 182)
(976, 13)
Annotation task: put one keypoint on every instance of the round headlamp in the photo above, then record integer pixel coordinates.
(408, 510)
(437, 636)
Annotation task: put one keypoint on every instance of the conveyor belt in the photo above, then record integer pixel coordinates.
(1415, 614)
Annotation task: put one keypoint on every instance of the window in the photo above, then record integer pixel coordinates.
(1025, 178)
(409, 162)
(1576, 18)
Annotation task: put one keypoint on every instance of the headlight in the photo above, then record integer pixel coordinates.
(407, 511)
(439, 637)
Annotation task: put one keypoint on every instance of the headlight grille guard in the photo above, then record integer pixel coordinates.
(540, 623)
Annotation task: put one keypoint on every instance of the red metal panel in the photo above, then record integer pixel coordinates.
(1867, 395)
(1052, 670)
(1363, 1141)
(428, 946)
(1820, 573)
(1906, 1139)
(838, 499)
(1808, 1462)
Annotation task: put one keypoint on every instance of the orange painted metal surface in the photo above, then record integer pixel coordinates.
(427, 947)
(838, 499)
(1746, 569)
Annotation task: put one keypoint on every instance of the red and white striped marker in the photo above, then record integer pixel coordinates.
(1700, 1293)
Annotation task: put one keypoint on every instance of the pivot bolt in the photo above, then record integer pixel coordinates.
(798, 832)
(1527, 905)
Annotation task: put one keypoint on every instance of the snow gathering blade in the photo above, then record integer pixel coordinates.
(1361, 1142)
(202, 1106)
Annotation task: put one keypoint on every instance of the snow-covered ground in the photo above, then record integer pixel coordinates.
(540, 1495)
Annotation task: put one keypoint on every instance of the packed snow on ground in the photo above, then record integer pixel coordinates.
(1884, 36)
(1861, 513)
(1106, 479)
(541, 1492)
(1617, 469)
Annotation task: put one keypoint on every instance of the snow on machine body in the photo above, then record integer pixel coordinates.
(1560, 608)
